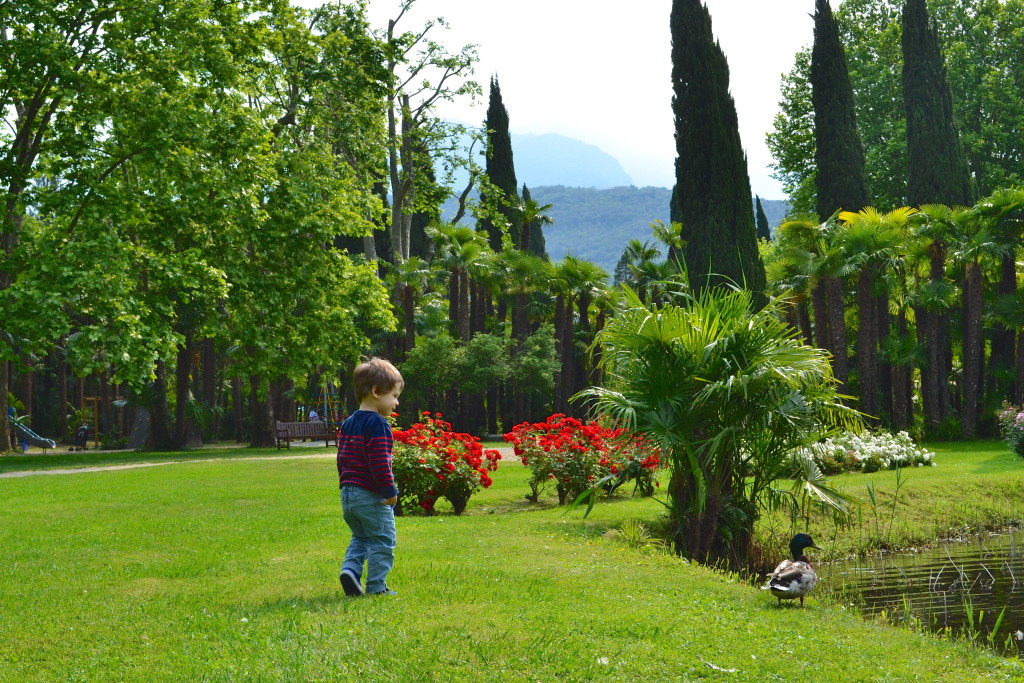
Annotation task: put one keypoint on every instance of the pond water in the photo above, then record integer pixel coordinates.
(958, 587)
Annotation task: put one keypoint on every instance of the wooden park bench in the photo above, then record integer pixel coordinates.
(314, 431)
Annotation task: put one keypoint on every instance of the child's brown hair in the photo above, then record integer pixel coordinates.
(375, 372)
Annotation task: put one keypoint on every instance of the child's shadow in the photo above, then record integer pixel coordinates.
(328, 602)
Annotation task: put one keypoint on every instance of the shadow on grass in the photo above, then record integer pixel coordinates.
(328, 602)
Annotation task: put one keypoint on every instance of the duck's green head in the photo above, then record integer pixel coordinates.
(799, 542)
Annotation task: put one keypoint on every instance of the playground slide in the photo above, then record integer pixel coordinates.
(32, 438)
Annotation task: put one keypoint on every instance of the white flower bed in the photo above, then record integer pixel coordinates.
(869, 452)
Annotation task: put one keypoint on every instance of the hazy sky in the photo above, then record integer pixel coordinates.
(599, 70)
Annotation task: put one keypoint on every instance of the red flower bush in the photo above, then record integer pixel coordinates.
(431, 462)
(573, 455)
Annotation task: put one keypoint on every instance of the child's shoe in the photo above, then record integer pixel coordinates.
(386, 591)
(350, 583)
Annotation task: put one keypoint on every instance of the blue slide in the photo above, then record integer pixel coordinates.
(31, 437)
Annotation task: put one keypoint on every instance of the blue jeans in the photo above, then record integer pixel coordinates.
(373, 535)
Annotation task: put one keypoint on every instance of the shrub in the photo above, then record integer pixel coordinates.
(573, 455)
(431, 462)
(1011, 427)
(868, 452)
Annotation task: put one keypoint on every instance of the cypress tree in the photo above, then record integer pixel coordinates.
(841, 179)
(936, 164)
(936, 174)
(764, 231)
(841, 183)
(712, 185)
(500, 168)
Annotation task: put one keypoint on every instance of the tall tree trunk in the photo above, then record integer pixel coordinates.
(464, 329)
(568, 357)
(901, 383)
(819, 304)
(884, 370)
(262, 413)
(409, 315)
(62, 395)
(837, 331)
(453, 301)
(867, 345)
(5, 428)
(1002, 359)
(477, 313)
(160, 425)
(182, 421)
(973, 349)
(209, 375)
(560, 352)
(104, 416)
(237, 409)
(1018, 395)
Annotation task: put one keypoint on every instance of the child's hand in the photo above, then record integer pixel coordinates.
(393, 500)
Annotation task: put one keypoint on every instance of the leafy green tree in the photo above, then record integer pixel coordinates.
(980, 40)
(712, 185)
(423, 74)
(485, 365)
(727, 394)
(56, 75)
(791, 140)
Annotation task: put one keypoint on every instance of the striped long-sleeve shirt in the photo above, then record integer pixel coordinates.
(364, 453)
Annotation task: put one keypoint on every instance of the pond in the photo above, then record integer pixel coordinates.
(961, 588)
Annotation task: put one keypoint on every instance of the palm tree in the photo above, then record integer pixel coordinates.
(637, 255)
(811, 247)
(578, 282)
(870, 241)
(531, 214)
(458, 248)
(934, 297)
(973, 243)
(786, 270)
(1003, 213)
(727, 394)
(521, 274)
(671, 236)
(409, 279)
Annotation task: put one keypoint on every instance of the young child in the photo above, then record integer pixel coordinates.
(367, 483)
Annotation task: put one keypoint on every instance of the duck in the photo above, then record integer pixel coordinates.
(794, 578)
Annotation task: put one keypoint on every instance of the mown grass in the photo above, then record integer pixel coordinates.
(61, 458)
(974, 487)
(228, 570)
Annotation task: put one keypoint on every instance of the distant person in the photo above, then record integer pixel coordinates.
(368, 491)
(313, 417)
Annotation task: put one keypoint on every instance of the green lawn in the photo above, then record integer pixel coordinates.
(228, 571)
(974, 487)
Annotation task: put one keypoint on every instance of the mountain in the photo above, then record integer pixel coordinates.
(597, 224)
(596, 208)
(553, 159)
